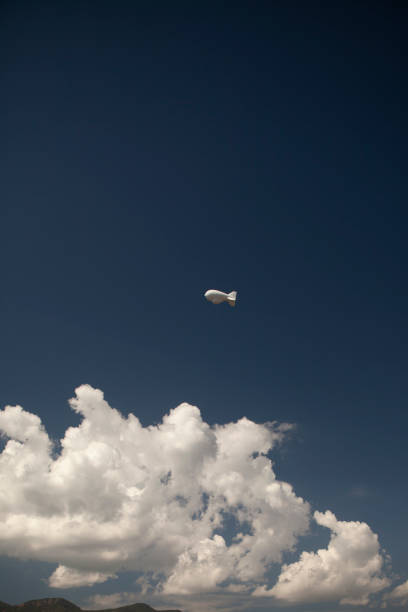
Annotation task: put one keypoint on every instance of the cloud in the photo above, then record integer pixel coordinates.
(120, 496)
(190, 508)
(398, 596)
(114, 600)
(348, 571)
(66, 577)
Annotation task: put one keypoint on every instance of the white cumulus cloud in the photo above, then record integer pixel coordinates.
(398, 596)
(155, 499)
(190, 508)
(66, 577)
(349, 570)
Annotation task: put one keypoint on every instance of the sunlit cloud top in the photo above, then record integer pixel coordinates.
(191, 508)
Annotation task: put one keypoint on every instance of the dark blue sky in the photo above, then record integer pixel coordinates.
(151, 151)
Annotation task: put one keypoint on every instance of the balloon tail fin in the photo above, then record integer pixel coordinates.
(232, 298)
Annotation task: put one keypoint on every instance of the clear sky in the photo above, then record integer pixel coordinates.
(151, 151)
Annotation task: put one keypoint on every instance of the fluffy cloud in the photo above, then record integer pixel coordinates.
(66, 577)
(348, 571)
(398, 596)
(192, 508)
(158, 499)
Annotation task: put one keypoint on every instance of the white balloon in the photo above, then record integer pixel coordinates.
(216, 297)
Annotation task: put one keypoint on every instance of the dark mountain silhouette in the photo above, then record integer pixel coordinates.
(58, 604)
(51, 604)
